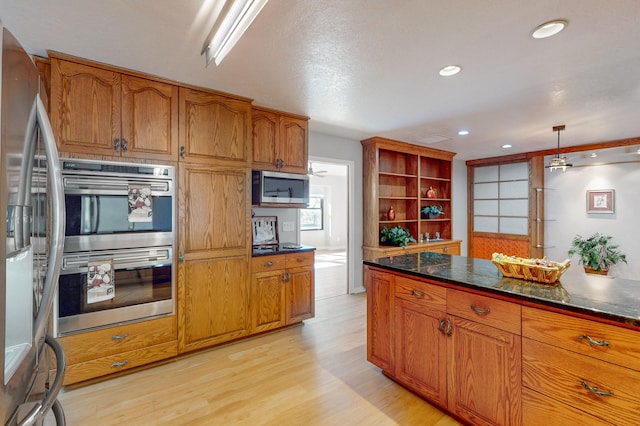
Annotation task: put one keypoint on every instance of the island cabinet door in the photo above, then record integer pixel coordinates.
(379, 318)
(484, 374)
(421, 350)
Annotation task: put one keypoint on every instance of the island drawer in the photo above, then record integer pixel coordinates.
(267, 263)
(113, 340)
(602, 341)
(484, 310)
(604, 390)
(294, 260)
(427, 295)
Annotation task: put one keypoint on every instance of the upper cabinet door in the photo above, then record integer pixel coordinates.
(149, 119)
(294, 144)
(214, 128)
(266, 131)
(85, 108)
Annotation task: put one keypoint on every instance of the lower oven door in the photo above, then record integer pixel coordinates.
(102, 288)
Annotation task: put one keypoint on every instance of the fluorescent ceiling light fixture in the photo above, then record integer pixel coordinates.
(549, 29)
(463, 132)
(450, 70)
(233, 20)
(557, 162)
(507, 146)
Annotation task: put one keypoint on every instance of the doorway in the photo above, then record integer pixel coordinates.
(325, 225)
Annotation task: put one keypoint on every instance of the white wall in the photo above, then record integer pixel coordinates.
(332, 147)
(459, 177)
(565, 208)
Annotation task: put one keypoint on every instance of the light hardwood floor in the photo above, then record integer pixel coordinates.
(314, 374)
(330, 273)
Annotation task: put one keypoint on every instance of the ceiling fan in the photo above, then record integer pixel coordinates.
(317, 173)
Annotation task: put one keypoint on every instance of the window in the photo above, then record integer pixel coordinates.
(311, 217)
(501, 199)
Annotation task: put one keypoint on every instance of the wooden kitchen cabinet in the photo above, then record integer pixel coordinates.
(280, 141)
(106, 351)
(214, 246)
(100, 110)
(408, 178)
(283, 291)
(380, 290)
(446, 247)
(214, 127)
(583, 369)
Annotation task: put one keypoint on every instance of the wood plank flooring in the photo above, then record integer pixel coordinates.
(314, 374)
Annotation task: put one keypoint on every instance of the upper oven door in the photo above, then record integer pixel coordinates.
(109, 212)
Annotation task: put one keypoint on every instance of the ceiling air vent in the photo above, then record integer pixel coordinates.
(429, 140)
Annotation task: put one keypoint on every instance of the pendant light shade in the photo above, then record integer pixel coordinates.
(558, 162)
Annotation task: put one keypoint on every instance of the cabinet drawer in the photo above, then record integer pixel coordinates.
(115, 363)
(427, 295)
(540, 410)
(564, 375)
(602, 341)
(484, 310)
(293, 260)
(267, 263)
(100, 343)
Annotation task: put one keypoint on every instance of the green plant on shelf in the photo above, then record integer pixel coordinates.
(397, 236)
(432, 211)
(596, 252)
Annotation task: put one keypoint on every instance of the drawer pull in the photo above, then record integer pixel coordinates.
(120, 336)
(300, 259)
(417, 293)
(478, 310)
(592, 342)
(269, 263)
(118, 364)
(445, 327)
(594, 389)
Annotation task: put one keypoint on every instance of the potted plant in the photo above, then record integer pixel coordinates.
(397, 236)
(432, 211)
(596, 253)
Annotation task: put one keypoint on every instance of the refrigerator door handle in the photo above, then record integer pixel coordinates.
(38, 412)
(56, 236)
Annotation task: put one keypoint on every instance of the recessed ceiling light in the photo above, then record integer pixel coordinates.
(463, 132)
(549, 29)
(593, 155)
(450, 70)
(507, 145)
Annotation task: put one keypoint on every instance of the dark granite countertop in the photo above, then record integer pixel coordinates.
(613, 299)
(283, 248)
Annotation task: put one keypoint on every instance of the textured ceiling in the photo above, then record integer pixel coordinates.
(361, 68)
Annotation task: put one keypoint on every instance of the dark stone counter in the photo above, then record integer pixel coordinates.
(613, 299)
(284, 248)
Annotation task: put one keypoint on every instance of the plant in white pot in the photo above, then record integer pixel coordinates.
(596, 253)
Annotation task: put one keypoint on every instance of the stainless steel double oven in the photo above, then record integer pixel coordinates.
(118, 262)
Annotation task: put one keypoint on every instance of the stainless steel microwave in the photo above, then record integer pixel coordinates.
(279, 188)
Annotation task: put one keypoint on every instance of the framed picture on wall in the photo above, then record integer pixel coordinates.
(600, 201)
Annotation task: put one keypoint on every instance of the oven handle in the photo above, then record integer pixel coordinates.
(122, 262)
(74, 185)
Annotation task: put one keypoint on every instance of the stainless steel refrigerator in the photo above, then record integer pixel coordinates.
(32, 225)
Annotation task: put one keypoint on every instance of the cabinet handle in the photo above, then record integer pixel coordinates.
(300, 259)
(594, 389)
(118, 364)
(286, 277)
(124, 144)
(445, 327)
(181, 257)
(593, 343)
(268, 263)
(116, 144)
(445, 249)
(417, 293)
(478, 310)
(182, 151)
(120, 336)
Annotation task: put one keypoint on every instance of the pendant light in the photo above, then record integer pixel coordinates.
(558, 162)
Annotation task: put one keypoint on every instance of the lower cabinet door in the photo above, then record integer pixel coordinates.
(268, 300)
(484, 374)
(300, 294)
(421, 351)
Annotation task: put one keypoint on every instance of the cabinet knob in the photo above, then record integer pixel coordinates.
(268, 263)
(119, 364)
(445, 249)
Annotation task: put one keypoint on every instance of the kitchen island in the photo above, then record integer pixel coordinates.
(494, 350)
